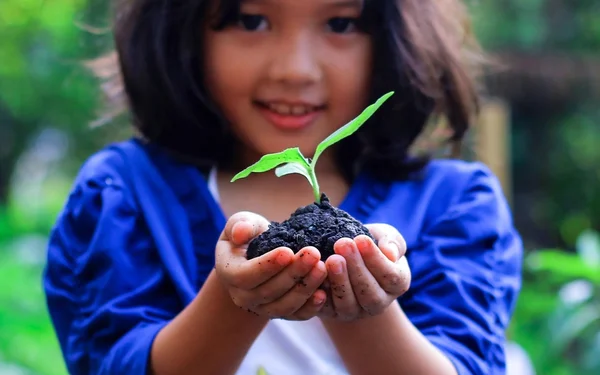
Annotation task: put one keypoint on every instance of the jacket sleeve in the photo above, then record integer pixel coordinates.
(466, 277)
(106, 291)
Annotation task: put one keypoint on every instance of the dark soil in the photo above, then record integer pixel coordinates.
(319, 225)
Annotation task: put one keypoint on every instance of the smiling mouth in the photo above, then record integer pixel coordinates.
(285, 109)
(288, 116)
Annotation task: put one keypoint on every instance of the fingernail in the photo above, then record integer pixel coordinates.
(318, 300)
(363, 245)
(336, 268)
(394, 249)
(345, 250)
(239, 223)
(233, 227)
(283, 259)
(307, 259)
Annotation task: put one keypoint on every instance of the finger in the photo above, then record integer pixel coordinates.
(404, 269)
(344, 301)
(297, 297)
(367, 291)
(251, 226)
(392, 247)
(311, 307)
(236, 270)
(295, 273)
(327, 311)
(386, 273)
(389, 240)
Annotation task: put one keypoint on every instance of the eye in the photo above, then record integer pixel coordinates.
(252, 22)
(342, 24)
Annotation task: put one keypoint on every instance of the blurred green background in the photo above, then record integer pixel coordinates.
(551, 82)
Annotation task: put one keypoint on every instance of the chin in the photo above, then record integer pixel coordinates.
(277, 145)
(308, 151)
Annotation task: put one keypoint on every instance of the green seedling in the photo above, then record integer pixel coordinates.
(291, 160)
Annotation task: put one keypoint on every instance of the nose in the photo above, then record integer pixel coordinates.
(295, 62)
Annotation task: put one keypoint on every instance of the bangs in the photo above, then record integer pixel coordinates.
(224, 13)
(371, 16)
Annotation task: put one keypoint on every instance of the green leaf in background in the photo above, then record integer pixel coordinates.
(27, 338)
(349, 128)
(560, 263)
(262, 371)
(591, 359)
(270, 161)
(573, 327)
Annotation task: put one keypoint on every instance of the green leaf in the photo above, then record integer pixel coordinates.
(270, 161)
(572, 327)
(293, 167)
(350, 127)
(262, 371)
(563, 264)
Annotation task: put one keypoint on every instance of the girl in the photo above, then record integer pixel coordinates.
(146, 269)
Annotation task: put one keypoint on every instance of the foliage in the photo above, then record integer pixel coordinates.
(557, 319)
(27, 337)
(28, 342)
(538, 25)
(555, 163)
(554, 157)
(43, 81)
(43, 85)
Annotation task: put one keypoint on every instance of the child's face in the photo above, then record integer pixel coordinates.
(290, 73)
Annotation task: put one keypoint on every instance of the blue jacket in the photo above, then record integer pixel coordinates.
(135, 242)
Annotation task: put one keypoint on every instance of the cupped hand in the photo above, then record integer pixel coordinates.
(364, 279)
(278, 284)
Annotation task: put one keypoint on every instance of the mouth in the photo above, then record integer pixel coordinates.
(290, 116)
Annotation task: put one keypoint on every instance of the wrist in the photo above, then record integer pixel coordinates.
(393, 312)
(387, 343)
(211, 335)
(221, 300)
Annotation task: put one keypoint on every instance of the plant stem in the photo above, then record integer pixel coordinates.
(315, 185)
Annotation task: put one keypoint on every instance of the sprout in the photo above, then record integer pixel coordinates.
(294, 162)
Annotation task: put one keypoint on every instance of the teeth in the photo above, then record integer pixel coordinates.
(284, 109)
(299, 110)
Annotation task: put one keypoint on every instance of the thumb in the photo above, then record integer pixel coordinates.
(390, 241)
(243, 226)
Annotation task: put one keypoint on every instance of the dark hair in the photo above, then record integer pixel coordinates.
(424, 50)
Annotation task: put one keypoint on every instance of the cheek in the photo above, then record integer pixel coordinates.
(353, 79)
(229, 82)
(226, 79)
(350, 79)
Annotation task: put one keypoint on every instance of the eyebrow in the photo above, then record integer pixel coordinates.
(345, 4)
(333, 3)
